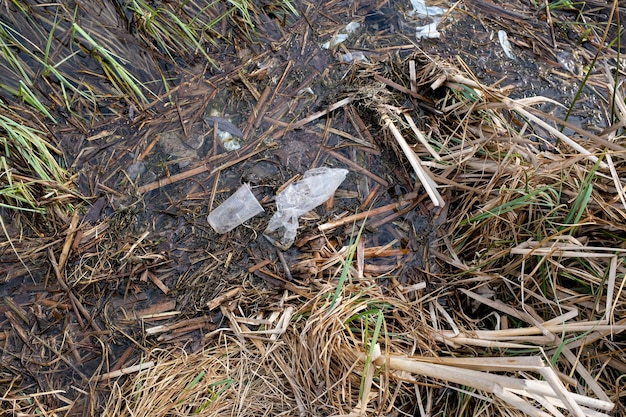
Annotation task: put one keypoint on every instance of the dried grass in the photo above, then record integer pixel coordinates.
(519, 311)
(522, 308)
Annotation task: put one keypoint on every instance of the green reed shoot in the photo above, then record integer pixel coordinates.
(113, 69)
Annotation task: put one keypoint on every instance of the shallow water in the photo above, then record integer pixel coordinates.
(121, 150)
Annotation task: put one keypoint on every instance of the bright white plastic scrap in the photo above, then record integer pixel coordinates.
(342, 36)
(505, 44)
(420, 9)
(356, 56)
(336, 40)
(352, 27)
(428, 31)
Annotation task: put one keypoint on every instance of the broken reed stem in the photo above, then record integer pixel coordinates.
(194, 171)
(229, 295)
(578, 148)
(357, 168)
(428, 184)
(400, 88)
(69, 238)
(394, 215)
(258, 112)
(312, 117)
(126, 371)
(420, 137)
(366, 214)
(507, 388)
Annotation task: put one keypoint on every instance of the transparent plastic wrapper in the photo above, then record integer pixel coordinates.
(238, 208)
(317, 186)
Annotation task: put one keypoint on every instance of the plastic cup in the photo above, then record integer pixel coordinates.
(238, 208)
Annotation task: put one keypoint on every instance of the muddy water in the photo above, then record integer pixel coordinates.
(121, 149)
(118, 144)
(127, 154)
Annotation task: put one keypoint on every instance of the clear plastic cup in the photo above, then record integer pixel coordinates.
(238, 208)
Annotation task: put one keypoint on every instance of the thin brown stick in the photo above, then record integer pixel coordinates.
(395, 214)
(149, 148)
(357, 168)
(367, 214)
(312, 117)
(229, 295)
(122, 359)
(359, 124)
(69, 238)
(370, 197)
(77, 304)
(400, 88)
(194, 171)
(250, 87)
(257, 112)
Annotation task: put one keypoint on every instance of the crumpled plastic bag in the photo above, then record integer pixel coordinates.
(317, 186)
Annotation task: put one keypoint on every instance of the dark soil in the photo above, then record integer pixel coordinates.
(143, 246)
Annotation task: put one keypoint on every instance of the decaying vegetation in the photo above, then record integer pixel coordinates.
(472, 263)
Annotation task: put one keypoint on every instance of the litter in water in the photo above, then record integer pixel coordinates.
(316, 186)
(238, 208)
(505, 44)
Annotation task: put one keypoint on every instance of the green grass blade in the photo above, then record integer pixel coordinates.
(370, 350)
(346, 265)
(579, 205)
(549, 199)
(31, 99)
(113, 69)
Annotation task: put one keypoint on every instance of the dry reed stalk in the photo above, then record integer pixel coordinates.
(548, 392)
(425, 179)
(356, 168)
(205, 167)
(367, 214)
(300, 123)
(125, 371)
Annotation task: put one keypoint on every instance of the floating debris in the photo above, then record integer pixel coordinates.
(342, 36)
(228, 134)
(238, 208)
(567, 62)
(428, 31)
(352, 27)
(356, 56)
(505, 44)
(420, 9)
(317, 186)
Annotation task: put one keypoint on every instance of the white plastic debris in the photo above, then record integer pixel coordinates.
(420, 9)
(428, 31)
(505, 44)
(356, 56)
(316, 186)
(230, 142)
(352, 27)
(336, 40)
(567, 62)
(342, 36)
(238, 208)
